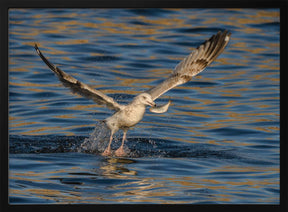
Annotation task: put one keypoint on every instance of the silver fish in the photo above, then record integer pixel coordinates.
(160, 108)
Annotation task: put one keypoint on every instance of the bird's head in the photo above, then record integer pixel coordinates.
(145, 99)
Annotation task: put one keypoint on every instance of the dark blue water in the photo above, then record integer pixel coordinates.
(217, 144)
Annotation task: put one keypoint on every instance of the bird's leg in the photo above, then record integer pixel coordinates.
(120, 151)
(107, 151)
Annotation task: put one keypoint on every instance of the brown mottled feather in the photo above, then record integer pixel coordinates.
(193, 64)
(78, 87)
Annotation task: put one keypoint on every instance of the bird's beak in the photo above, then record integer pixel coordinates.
(152, 104)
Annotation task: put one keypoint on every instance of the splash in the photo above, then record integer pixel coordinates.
(97, 141)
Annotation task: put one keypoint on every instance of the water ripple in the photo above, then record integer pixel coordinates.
(218, 142)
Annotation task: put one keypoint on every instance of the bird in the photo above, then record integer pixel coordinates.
(127, 116)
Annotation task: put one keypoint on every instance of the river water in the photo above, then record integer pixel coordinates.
(217, 144)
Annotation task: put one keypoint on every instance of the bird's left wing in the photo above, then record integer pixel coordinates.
(193, 64)
(79, 87)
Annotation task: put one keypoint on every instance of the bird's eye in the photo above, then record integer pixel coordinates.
(144, 97)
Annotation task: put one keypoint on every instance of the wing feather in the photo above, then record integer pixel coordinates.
(193, 64)
(78, 87)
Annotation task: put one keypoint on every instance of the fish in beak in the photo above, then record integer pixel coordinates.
(161, 108)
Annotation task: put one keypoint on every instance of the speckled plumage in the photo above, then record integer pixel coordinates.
(127, 116)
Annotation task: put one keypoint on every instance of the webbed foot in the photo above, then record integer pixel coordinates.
(107, 152)
(120, 152)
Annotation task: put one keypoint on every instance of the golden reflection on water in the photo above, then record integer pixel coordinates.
(118, 27)
(139, 189)
(146, 189)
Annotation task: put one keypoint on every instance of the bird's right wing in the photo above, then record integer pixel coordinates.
(193, 64)
(78, 87)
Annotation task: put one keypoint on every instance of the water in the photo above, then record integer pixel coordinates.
(217, 144)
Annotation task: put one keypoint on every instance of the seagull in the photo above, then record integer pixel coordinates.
(127, 116)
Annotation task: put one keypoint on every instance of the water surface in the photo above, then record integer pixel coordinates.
(217, 144)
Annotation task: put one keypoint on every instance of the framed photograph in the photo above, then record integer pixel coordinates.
(143, 106)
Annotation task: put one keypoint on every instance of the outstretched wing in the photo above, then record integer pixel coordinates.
(193, 64)
(78, 87)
